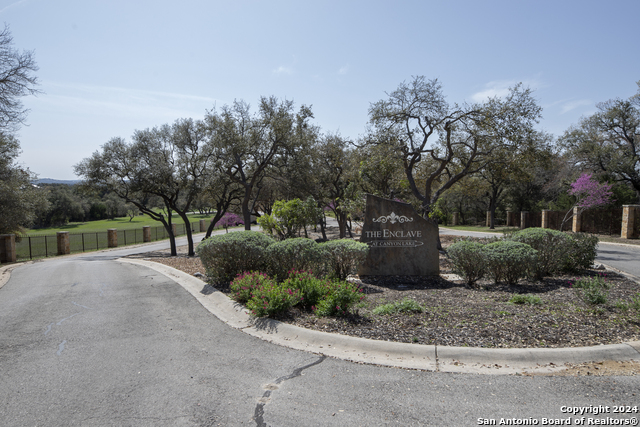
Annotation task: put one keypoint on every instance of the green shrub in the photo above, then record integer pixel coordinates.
(593, 290)
(407, 305)
(344, 256)
(297, 254)
(224, 256)
(313, 289)
(526, 299)
(339, 300)
(289, 217)
(271, 299)
(508, 260)
(244, 285)
(468, 260)
(580, 252)
(551, 245)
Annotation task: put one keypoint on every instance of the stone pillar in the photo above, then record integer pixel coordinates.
(524, 220)
(630, 215)
(112, 238)
(8, 248)
(146, 233)
(545, 218)
(203, 225)
(577, 220)
(456, 218)
(510, 219)
(488, 221)
(64, 248)
(174, 229)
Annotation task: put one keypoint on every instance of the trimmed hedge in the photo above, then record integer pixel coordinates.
(298, 254)
(468, 260)
(224, 256)
(552, 245)
(509, 260)
(344, 256)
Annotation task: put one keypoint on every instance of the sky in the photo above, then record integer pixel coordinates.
(108, 68)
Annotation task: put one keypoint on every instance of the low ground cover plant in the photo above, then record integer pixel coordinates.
(526, 299)
(264, 296)
(593, 290)
(406, 305)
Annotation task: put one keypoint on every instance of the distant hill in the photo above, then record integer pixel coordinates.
(56, 181)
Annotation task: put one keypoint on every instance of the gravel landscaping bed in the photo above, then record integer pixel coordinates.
(458, 316)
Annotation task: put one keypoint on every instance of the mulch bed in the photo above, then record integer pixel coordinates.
(458, 316)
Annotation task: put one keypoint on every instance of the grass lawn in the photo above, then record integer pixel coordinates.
(498, 229)
(119, 223)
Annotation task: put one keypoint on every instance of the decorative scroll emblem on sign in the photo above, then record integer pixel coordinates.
(393, 218)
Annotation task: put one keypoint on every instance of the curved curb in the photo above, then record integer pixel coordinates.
(400, 355)
(5, 272)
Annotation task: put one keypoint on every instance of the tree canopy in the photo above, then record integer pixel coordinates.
(439, 143)
(609, 140)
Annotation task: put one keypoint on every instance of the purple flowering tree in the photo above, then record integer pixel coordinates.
(589, 193)
(230, 220)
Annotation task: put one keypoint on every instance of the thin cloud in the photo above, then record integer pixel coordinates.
(343, 70)
(283, 70)
(572, 105)
(12, 5)
(115, 101)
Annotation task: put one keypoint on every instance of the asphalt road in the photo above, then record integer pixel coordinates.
(88, 341)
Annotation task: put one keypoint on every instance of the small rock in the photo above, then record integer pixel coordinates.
(198, 274)
(598, 267)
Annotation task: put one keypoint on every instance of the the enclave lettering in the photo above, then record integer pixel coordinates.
(390, 233)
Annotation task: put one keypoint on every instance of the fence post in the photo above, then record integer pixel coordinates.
(63, 243)
(146, 233)
(629, 218)
(577, 220)
(203, 225)
(510, 220)
(112, 238)
(524, 220)
(545, 218)
(8, 248)
(488, 220)
(456, 218)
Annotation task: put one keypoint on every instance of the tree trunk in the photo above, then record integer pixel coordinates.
(246, 212)
(187, 226)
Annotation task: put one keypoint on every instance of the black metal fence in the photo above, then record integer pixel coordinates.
(30, 247)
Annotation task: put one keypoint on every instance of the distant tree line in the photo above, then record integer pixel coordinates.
(72, 203)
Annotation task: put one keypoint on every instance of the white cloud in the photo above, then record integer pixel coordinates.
(500, 88)
(344, 70)
(493, 89)
(283, 70)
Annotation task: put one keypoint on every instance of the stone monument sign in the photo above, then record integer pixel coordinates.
(401, 241)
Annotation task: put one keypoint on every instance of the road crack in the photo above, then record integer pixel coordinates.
(258, 414)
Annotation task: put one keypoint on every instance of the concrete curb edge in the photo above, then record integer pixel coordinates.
(401, 355)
